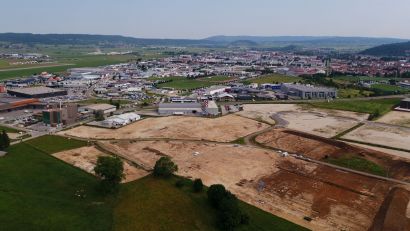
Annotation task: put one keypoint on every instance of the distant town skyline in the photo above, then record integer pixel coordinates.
(196, 19)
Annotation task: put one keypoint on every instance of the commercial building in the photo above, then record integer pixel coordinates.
(121, 120)
(180, 109)
(36, 92)
(308, 91)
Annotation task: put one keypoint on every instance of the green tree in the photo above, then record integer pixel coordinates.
(165, 167)
(198, 185)
(4, 140)
(111, 171)
(99, 116)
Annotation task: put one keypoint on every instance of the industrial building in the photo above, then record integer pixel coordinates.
(8, 103)
(308, 91)
(94, 108)
(180, 108)
(120, 120)
(36, 92)
(60, 116)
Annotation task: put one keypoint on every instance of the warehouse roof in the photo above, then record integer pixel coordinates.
(99, 107)
(406, 100)
(179, 105)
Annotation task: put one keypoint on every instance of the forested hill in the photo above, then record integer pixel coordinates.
(87, 39)
(395, 49)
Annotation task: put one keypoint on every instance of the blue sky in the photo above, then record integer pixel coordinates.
(202, 18)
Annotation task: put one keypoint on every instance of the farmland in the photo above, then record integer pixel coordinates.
(68, 62)
(274, 78)
(182, 83)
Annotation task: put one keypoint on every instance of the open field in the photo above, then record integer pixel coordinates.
(77, 61)
(396, 118)
(183, 83)
(38, 192)
(320, 148)
(274, 78)
(362, 106)
(85, 158)
(382, 134)
(222, 129)
(322, 122)
(52, 144)
(141, 200)
(292, 188)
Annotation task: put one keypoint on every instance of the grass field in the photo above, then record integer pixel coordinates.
(390, 89)
(52, 144)
(181, 209)
(9, 130)
(182, 83)
(274, 78)
(359, 164)
(362, 106)
(38, 192)
(78, 61)
(352, 93)
(97, 101)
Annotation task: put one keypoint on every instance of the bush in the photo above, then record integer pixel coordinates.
(198, 185)
(179, 184)
(229, 214)
(165, 167)
(4, 140)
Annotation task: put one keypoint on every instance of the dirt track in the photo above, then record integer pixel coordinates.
(319, 148)
(85, 158)
(222, 129)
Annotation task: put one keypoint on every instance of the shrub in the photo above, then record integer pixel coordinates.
(198, 185)
(165, 167)
(179, 184)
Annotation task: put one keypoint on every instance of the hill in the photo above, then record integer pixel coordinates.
(317, 41)
(88, 39)
(215, 41)
(395, 49)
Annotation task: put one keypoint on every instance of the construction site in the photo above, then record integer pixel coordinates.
(282, 168)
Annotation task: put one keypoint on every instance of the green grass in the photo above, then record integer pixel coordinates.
(240, 141)
(359, 164)
(274, 78)
(98, 101)
(353, 93)
(390, 89)
(182, 83)
(38, 192)
(52, 144)
(157, 204)
(362, 106)
(9, 130)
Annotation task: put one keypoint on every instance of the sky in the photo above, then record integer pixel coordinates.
(197, 19)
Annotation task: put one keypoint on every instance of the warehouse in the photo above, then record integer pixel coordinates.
(36, 92)
(180, 109)
(8, 104)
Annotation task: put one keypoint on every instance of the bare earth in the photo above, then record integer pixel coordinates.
(396, 118)
(382, 134)
(85, 158)
(321, 122)
(286, 187)
(222, 129)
